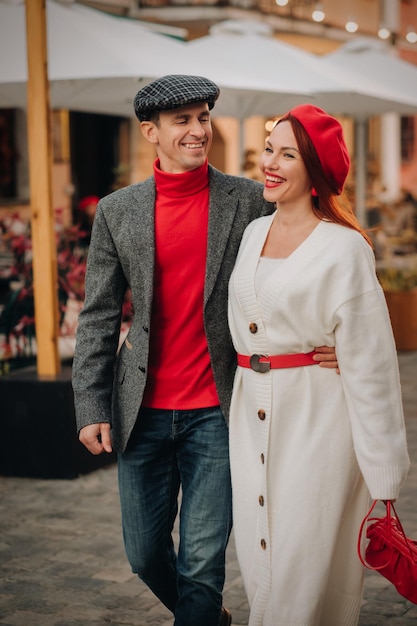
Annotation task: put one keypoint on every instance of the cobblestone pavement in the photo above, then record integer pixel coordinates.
(62, 561)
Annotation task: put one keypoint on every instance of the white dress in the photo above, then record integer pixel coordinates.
(308, 445)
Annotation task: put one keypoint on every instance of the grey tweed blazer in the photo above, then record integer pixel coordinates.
(108, 384)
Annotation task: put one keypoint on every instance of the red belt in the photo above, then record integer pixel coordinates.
(262, 363)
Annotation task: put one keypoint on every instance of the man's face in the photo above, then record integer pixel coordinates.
(182, 137)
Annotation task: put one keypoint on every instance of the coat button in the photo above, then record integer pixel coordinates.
(262, 458)
(142, 369)
(263, 544)
(261, 500)
(261, 414)
(253, 328)
(146, 329)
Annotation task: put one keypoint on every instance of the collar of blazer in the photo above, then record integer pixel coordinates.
(224, 201)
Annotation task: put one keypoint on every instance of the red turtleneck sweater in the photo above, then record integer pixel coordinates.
(179, 370)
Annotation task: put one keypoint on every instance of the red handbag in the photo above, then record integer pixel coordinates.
(390, 552)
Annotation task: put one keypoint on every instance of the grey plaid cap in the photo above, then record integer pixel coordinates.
(173, 91)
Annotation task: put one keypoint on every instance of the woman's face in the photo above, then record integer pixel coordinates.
(286, 178)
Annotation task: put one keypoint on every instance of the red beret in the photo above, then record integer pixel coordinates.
(326, 133)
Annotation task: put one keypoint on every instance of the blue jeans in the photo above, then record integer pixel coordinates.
(168, 450)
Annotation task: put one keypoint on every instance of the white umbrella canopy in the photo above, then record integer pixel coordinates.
(96, 62)
(257, 74)
(384, 82)
(243, 59)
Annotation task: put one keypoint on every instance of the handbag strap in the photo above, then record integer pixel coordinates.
(364, 521)
(389, 505)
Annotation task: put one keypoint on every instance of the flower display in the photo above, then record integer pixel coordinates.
(17, 317)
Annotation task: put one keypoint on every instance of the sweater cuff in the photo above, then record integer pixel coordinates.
(384, 483)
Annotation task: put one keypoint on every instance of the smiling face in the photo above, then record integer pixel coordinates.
(182, 137)
(286, 178)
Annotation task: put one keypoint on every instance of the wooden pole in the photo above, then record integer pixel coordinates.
(45, 279)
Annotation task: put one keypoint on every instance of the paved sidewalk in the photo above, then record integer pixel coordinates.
(62, 561)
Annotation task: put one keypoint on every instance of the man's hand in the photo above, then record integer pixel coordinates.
(96, 438)
(326, 357)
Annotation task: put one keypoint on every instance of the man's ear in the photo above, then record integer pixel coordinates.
(149, 131)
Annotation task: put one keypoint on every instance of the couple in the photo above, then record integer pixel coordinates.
(307, 447)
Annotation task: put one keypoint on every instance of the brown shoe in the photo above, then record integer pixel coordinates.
(225, 618)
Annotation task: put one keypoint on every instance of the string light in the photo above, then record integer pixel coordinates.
(411, 35)
(351, 26)
(270, 124)
(318, 14)
(384, 32)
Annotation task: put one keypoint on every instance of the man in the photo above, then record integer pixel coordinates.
(162, 403)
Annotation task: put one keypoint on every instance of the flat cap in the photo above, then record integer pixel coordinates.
(174, 91)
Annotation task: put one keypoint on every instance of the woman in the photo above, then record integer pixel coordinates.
(308, 448)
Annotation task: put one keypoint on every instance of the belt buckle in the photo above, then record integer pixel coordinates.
(257, 366)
